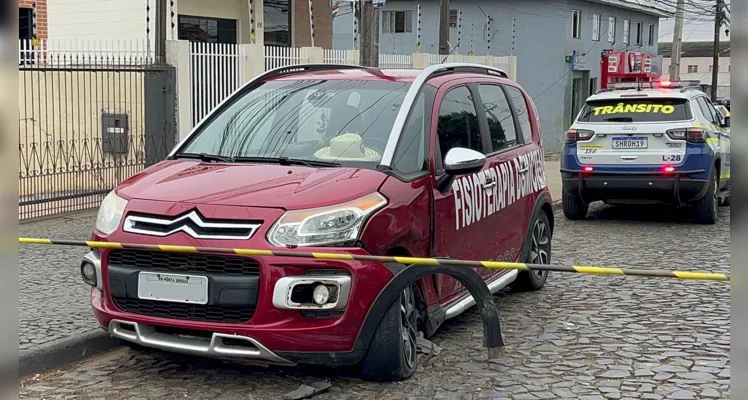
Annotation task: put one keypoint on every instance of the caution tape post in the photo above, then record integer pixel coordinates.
(594, 270)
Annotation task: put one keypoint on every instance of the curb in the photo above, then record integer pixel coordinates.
(60, 352)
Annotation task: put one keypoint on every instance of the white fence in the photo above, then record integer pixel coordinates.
(207, 73)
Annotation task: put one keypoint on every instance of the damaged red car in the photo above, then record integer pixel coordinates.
(445, 162)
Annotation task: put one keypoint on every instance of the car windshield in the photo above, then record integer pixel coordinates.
(346, 122)
(636, 110)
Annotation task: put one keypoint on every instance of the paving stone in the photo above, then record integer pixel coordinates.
(580, 337)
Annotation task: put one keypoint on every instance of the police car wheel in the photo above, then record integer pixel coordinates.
(705, 209)
(540, 253)
(393, 353)
(574, 207)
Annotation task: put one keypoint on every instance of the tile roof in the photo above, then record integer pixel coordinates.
(695, 49)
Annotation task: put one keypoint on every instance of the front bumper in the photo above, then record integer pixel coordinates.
(673, 188)
(263, 325)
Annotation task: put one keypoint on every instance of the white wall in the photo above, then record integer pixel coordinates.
(702, 62)
(71, 20)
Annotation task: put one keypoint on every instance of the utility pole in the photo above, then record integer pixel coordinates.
(444, 27)
(677, 41)
(715, 60)
(160, 31)
(369, 34)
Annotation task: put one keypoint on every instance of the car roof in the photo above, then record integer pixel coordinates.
(376, 74)
(646, 93)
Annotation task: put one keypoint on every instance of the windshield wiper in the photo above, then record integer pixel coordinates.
(288, 161)
(205, 157)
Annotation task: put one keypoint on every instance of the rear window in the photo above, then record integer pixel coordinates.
(636, 110)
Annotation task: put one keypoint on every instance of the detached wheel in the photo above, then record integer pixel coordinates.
(540, 253)
(705, 209)
(574, 207)
(393, 351)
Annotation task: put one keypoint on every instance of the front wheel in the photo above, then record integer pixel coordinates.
(540, 253)
(393, 351)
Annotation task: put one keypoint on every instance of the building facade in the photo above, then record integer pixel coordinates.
(696, 57)
(32, 19)
(558, 44)
(283, 23)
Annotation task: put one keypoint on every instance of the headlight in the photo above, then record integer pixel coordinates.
(110, 213)
(323, 226)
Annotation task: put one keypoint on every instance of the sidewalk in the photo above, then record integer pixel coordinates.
(55, 319)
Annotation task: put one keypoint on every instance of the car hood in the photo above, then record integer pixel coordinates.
(251, 185)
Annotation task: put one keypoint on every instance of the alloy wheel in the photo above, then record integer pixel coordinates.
(408, 320)
(540, 246)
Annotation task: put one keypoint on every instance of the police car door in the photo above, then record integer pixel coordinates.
(717, 138)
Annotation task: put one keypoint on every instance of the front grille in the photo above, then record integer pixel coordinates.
(192, 224)
(190, 312)
(203, 264)
(182, 262)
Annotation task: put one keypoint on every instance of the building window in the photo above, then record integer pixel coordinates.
(207, 30)
(611, 29)
(693, 69)
(397, 21)
(638, 33)
(651, 40)
(596, 27)
(576, 26)
(453, 18)
(25, 30)
(626, 31)
(277, 23)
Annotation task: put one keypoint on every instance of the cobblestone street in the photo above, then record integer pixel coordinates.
(581, 337)
(53, 300)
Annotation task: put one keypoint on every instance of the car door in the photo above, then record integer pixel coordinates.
(721, 140)
(462, 229)
(509, 166)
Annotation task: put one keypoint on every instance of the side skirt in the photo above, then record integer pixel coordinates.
(468, 301)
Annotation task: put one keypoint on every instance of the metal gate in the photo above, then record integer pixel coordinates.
(89, 119)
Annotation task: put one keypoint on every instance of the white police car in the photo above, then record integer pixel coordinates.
(661, 142)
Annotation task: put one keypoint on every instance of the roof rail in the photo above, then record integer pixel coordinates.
(415, 89)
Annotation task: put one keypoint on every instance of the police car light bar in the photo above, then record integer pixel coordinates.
(663, 84)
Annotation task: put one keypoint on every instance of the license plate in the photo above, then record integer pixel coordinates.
(630, 143)
(172, 287)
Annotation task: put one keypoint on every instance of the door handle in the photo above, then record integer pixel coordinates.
(489, 185)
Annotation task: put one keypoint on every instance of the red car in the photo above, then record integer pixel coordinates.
(443, 162)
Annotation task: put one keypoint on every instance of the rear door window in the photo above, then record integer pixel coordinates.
(500, 118)
(523, 114)
(636, 110)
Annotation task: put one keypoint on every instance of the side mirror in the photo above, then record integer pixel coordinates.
(462, 161)
(726, 122)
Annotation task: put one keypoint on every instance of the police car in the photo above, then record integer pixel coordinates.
(661, 142)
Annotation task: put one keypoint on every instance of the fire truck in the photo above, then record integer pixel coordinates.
(626, 66)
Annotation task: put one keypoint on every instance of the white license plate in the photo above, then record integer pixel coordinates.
(630, 143)
(172, 287)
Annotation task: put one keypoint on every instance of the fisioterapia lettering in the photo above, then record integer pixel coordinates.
(634, 108)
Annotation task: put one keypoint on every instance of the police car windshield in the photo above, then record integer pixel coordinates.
(636, 110)
(346, 122)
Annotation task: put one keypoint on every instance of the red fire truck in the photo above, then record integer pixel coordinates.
(626, 66)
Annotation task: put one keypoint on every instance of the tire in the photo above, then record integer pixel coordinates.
(540, 253)
(704, 210)
(574, 207)
(393, 353)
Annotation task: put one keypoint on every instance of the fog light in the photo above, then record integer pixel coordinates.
(321, 294)
(88, 272)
